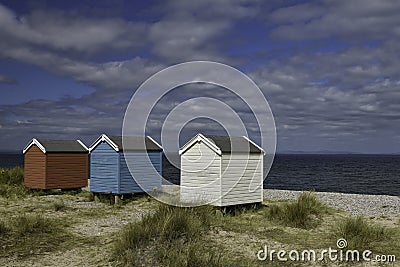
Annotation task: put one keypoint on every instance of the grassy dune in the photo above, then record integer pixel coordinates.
(55, 228)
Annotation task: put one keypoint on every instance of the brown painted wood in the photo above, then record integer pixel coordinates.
(35, 168)
(67, 170)
(55, 170)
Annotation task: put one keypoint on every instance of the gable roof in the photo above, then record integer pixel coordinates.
(241, 144)
(222, 144)
(54, 146)
(133, 143)
(200, 138)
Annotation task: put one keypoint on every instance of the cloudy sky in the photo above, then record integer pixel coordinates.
(330, 70)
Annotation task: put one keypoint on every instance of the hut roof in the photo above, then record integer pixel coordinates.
(54, 146)
(222, 144)
(240, 144)
(132, 143)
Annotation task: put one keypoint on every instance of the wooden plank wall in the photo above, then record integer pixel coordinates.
(200, 175)
(67, 170)
(35, 168)
(241, 172)
(145, 176)
(104, 169)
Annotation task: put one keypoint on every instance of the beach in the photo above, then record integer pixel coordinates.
(85, 231)
(354, 204)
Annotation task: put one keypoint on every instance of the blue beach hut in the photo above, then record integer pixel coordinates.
(109, 172)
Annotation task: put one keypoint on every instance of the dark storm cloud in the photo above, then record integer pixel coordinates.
(348, 92)
(55, 29)
(55, 119)
(349, 96)
(191, 30)
(341, 92)
(351, 20)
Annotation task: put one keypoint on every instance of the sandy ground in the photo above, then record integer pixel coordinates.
(96, 222)
(99, 222)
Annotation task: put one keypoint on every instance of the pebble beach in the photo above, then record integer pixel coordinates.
(354, 204)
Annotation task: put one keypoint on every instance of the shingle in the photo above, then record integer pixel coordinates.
(135, 143)
(240, 144)
(62, 146)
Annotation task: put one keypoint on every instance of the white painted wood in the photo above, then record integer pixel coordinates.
(154, 141)
(34, 141)
(241, 178)
(245, 137)
(103, 138)
(200, 174)
(229, 179)
(199, 138)
(82, 144)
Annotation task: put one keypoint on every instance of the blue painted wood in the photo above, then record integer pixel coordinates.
(104, 173)
(109, 172)
(148, 181)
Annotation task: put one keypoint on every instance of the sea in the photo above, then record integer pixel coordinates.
(346, 173)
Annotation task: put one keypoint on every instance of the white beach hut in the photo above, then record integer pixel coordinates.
(221, 170)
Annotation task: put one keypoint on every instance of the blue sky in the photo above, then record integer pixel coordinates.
(329, 69)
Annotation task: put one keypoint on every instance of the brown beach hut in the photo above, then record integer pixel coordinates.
(55, 164)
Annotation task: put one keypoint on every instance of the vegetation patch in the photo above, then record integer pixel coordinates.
(4, 230)
(32, 229)
(359, 232)
(11, 183)
(32, 224)
(13, 176)
(29, 234)
(192, 253)
(86, 195)
(59, 206)
(304, 213)
(169, 235)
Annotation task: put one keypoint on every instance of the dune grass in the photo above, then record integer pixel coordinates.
(59, 206)
(27, 224)
(193, 253)
(28, 234)
(169, 236)
(304, 213)
(168, 223)
(12, 176)
(3, 229)
(11, 183)
(172, 236)
(86, 195)
(359, 232)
